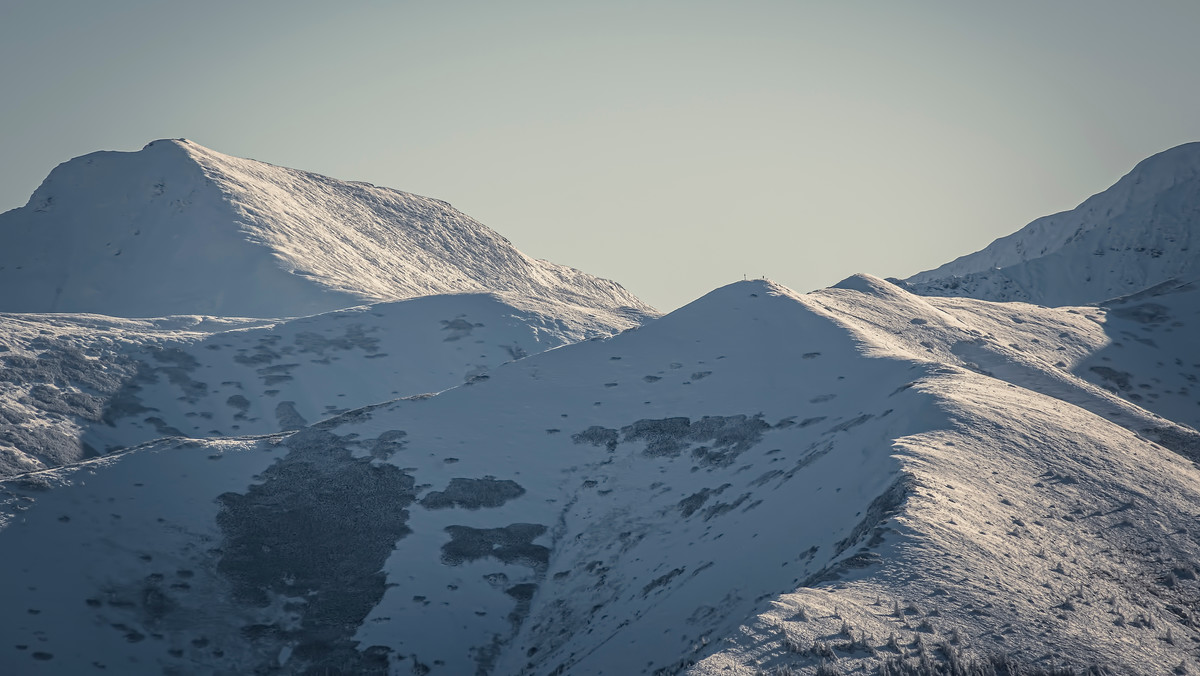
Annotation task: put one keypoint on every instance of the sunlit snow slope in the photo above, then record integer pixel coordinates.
(177, 228)
(1138, 233)
(760, 481)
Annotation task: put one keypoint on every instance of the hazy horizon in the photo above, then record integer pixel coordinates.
(673, 148)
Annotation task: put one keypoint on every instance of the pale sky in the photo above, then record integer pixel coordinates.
(671, 146)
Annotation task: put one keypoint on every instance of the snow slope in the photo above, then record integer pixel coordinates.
(177, 228)
(760, 481)
(1151, 356)
(1138, 233)
(1071, 353)
(75, 386)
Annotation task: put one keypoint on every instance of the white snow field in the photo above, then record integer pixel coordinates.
(856, 480)
(177, 228)
(1138, 233)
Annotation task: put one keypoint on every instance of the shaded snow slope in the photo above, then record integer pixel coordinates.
(1138, 233)
(1152, 357)
(75, 386)
(758, 481)
(177, 228)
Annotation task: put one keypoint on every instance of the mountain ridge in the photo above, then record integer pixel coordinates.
(1133, 235)
(76, 386)
(756, 481)
(856, 480)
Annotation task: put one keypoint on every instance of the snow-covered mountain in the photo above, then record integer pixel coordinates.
(1138, 233)
(177, 228)
(759, 482)
(859, 480)
(77, 386)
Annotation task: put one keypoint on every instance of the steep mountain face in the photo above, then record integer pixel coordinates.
(77, 386)
(1137, 234)
(177, 228)
(760, 481)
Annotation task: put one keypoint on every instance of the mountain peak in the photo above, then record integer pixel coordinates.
(177, 228)
(1181, 160)
(1154, 175)
(172, 141)
(1134, 235)
(865, 283)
